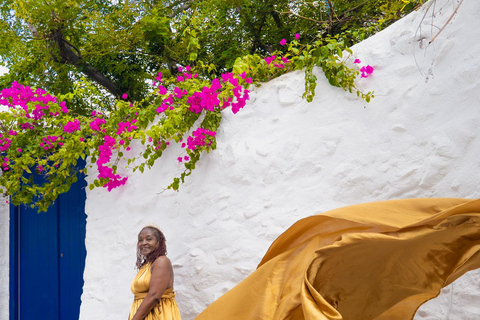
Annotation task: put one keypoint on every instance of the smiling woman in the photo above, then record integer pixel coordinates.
(153, 285)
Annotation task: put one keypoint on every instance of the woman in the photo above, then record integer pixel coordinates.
(153, 284)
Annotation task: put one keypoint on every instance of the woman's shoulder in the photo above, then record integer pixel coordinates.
(161, 261)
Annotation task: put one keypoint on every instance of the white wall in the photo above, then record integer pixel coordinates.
(4, 257)
(281, 159)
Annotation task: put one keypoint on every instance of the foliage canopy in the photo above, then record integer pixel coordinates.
(121, 44)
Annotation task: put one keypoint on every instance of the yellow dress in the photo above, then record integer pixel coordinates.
(166, 309)
(374, 261)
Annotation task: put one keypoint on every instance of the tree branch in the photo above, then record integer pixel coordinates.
(301, 17)
(448, 21)
(276, 18)
(68, 56)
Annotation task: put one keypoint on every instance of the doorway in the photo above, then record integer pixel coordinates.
(47, 258)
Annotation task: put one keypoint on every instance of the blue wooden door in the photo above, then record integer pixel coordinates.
(48, 258)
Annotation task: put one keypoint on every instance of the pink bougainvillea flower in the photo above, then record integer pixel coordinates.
(179, 159)
(248, 80)
(180, 69)
(226, 76)
(180, 78)
(168, 100)
(125, 126)
(162, 90)
(96, 123)
(198, 137)
(297, 36)
(186, 158)
(63, 106)
(283, 42)
(187, 68)
(19, 150)
(159, 77)
(357, 61)
(179, 93)
(366, 71)
(72, 126)
(162, 108)
(285, 60)
(269, 60)
(124, 96)
(104, 171)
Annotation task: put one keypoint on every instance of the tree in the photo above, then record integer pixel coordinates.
(119, 45)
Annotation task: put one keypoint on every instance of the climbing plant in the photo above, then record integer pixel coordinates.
(158, 72)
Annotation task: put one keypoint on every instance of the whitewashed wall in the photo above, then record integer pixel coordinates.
(281, 159)
(4, 258)
(4, 250)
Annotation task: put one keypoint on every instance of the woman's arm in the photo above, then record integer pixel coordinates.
(161, 276)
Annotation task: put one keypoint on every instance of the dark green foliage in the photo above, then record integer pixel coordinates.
(118, 45)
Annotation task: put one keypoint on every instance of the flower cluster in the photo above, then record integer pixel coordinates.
(198, 138)
(365, 70)
(96, 124)
(5, 164)
(19, 95)
(208, 98)
(5, 143)
(49, 142)
(72, 126)
(278, 63)
(104, 171)
(126, 126)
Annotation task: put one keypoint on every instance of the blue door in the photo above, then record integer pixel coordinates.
(47, 258)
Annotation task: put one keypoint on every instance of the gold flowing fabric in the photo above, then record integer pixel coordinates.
(166, 309)
(379, 261)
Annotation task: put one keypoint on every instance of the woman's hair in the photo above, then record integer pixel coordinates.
(160, 251)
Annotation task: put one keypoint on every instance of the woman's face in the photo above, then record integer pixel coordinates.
(147, 242)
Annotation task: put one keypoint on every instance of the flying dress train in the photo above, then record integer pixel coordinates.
(379, 261)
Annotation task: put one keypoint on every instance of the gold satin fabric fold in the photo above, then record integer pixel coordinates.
(166, 309)
(379, 261)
